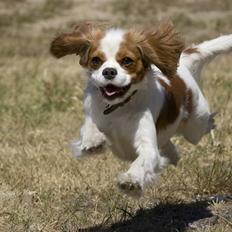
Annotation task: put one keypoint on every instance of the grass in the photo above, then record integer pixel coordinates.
(43, 187)
(27, 12)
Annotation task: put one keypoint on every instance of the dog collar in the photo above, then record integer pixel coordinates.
(110, 108)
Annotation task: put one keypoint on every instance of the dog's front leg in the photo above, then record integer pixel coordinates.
(148, 164)
(91, 139)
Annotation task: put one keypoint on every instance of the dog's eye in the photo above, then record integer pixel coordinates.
(96, 60)
(127, 61)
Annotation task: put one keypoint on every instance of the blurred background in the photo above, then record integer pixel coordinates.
(42, 186)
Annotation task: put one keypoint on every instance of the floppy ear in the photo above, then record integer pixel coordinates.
(66, 44)
(77, 42)
(162, 47)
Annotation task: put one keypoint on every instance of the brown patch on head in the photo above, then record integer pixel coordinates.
(177, 95)
(83, 41)
(130, 58)
(95, 56)
(161, 47)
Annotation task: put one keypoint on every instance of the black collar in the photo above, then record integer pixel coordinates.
(109, 109)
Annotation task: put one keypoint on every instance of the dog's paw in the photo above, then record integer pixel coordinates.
(129, 185)
(80, 148)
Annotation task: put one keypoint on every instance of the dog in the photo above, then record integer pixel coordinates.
(142, 89)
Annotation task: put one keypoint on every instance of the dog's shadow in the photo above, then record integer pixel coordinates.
(162, 218)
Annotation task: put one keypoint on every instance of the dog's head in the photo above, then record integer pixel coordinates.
(118, 59)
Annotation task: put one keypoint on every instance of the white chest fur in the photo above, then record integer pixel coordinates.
(121, 125)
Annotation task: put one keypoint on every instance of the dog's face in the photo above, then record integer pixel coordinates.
(119, 59)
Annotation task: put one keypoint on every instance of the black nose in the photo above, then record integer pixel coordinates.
(109, 73)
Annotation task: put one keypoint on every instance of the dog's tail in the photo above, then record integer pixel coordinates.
(196, 56)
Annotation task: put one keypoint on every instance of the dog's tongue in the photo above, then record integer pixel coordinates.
(111, 90)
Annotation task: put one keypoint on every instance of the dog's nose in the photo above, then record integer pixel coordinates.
(109, 73)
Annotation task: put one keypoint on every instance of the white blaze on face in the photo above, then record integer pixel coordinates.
(110, 45)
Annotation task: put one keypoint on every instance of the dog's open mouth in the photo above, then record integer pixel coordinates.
(111, 91)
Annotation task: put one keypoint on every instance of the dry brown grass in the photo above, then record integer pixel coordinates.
(42, 186)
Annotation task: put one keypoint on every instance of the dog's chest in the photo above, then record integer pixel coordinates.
(119, 128)
(121, 125)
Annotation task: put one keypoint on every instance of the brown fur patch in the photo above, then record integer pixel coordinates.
(162, 47)
(177, 95)
(95, 51)
(167, 48)
(128, 48)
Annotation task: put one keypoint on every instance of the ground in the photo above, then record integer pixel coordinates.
(42, 186)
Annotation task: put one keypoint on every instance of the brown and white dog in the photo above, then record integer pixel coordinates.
(143, 88)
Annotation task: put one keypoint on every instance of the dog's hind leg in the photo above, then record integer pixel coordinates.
(199, 122)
